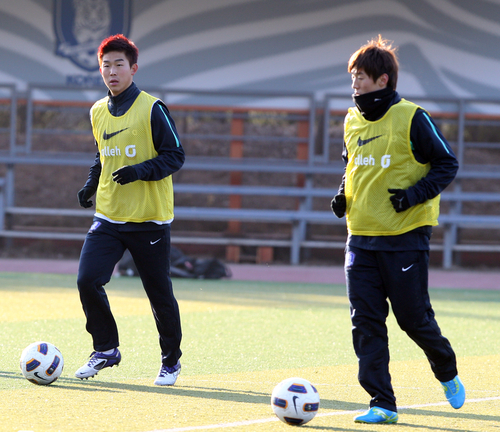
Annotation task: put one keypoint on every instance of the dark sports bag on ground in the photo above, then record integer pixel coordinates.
(181, 266)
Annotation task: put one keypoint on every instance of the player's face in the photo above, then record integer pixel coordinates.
(117, 72)
(362, 83)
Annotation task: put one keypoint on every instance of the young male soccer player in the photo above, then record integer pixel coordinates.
(138, 150)
(397, 164)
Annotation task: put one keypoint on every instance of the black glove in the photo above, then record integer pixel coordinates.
(399, 200)
(125, 174)
(338, 205)
(84, 196)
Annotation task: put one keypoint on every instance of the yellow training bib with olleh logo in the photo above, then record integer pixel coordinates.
(128, 140)
(381, 158)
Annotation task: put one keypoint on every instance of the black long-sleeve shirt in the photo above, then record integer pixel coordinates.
(429, 146)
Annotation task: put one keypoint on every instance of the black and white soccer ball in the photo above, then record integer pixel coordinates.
(41, 363)
(295, 401)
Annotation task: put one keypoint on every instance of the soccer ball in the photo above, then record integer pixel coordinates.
(295, 401)
(41, 363)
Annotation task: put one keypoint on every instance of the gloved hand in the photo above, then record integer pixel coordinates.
(338, 205)
(84, 195)
(399, 200)
(125, 174)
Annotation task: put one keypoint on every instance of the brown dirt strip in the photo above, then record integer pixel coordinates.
(457, 278)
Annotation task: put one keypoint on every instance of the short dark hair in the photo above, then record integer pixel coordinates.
(376, 58)
(119, 43)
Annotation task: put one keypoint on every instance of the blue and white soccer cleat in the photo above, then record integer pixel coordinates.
(167, 376)
(454, 391)
(377, 415)
(98, 361)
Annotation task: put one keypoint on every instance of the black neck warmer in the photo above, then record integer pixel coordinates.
(374, 105)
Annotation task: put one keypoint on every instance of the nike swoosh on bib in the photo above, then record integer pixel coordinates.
(106, 136)
(366, 141)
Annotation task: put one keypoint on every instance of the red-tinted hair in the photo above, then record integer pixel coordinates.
(376, 58)
(119, 43)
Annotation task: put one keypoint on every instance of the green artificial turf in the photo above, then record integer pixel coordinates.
(239, 340)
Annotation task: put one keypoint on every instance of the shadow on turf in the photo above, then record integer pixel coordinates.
(426, 413)
(222, 394)
(450, 414)
(11, 375)
(225, 394)
(390, 428)
(330, 428)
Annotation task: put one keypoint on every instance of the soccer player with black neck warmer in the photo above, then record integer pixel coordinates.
(397, 163)
(138, 151)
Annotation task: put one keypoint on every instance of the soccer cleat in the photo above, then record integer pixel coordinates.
(167, 376)
(98, 361)
(377, 415)
(454, 391)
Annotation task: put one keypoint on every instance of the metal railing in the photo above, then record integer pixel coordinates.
(242, 125)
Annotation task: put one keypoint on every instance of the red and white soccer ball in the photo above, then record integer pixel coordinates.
(295, 401)
(41, 363)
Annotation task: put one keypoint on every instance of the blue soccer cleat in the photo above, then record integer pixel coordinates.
(454, 391)
(377, 415)
(167, 376)
(97, 361)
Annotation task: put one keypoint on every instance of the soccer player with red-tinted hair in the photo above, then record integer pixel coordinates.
(138, 150)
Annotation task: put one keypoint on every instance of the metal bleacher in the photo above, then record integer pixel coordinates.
(255, 176)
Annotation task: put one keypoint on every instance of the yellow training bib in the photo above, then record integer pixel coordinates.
(381, 158)
(127, 140)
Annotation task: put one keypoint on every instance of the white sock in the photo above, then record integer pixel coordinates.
(111, 351)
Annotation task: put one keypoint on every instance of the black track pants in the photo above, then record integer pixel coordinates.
(103, 248)
(402, 277)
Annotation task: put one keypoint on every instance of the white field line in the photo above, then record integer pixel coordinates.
(329, 414)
